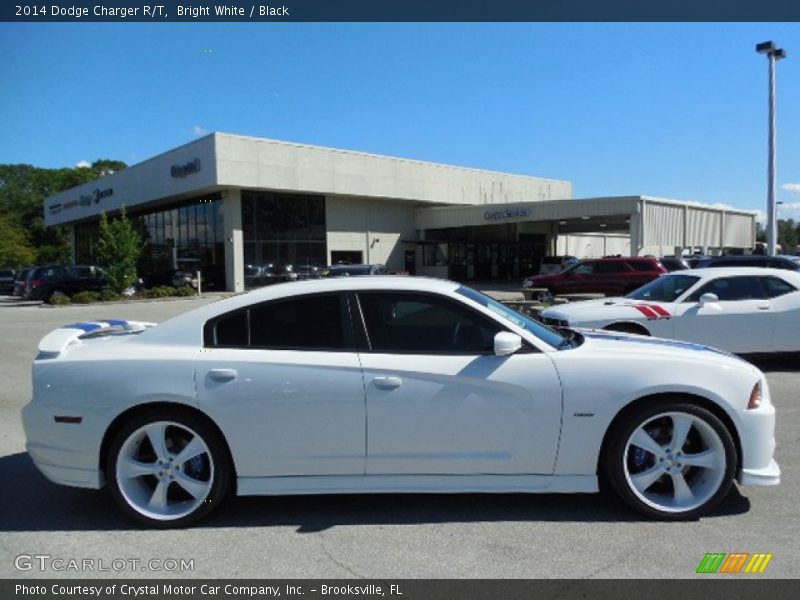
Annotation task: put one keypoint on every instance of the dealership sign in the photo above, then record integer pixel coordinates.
(506, 213)
(85, 200)
(184, 170)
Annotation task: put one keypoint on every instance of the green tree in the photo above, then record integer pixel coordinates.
(761, 233)
(787, 235)
(15, 248)
(118, 250)
(23, 189)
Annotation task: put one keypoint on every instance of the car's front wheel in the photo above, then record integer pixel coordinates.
(671, 460)
(168, 469)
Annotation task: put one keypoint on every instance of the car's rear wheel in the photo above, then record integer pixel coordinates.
(168, 469)
(671, 460)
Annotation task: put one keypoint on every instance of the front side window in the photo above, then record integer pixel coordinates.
(424, 324)
(731, 289)
(584, 269)
(304, 323)
(611, 267)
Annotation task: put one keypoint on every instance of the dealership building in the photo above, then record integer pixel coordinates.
(225, 202)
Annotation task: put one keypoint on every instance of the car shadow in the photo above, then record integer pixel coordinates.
(785, 362)
(35, 504)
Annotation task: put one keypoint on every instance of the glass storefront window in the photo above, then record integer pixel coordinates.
(283, 229)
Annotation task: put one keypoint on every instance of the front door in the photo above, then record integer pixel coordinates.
(742, 320)
(439, 401)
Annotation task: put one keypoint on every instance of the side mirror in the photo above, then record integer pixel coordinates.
(707, 298)
(506, 343)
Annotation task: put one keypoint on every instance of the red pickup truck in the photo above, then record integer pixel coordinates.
(610, 276)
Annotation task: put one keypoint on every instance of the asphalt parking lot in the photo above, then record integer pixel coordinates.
(392, 536)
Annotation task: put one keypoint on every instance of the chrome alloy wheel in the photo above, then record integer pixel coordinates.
(674, 462)
(164, 470)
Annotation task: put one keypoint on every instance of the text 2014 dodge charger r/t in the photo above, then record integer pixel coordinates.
(384, 384)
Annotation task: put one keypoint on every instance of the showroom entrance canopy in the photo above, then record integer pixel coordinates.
(655, 225)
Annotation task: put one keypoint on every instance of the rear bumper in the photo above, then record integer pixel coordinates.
(757, 434)
(770, 475)
(65, 453)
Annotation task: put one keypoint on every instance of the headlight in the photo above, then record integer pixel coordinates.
(755, 397)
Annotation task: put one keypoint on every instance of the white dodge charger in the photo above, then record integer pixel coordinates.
(389, 384)
(740, 309)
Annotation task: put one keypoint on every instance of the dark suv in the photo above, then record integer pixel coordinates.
(7, 280)
(615, 276)
(42, 282)
(790, 263)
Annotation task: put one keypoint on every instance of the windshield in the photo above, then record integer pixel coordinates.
(667, 288)
(544, 333)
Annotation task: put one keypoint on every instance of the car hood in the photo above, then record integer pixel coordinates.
(608, 308)
(615, 343)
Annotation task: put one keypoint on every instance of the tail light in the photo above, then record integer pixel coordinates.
(755, 397)
(36, 283)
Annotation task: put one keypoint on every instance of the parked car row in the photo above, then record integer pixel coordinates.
(41, 282)
(261, 275)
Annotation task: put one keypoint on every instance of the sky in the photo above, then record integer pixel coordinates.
(671, 110)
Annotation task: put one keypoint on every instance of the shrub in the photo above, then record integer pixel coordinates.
(185, 290)
(86, 297)
(109, 295)
(59, 299)
(161, 291)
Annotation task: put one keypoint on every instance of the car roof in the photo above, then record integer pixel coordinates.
(620, 258)
(709, 272)
(184, 328)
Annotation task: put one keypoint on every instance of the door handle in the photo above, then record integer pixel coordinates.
(763, 307)
(387, 383)
(223, 374)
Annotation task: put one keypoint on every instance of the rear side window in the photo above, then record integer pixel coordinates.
(316, 322)
(311, 323)
(777, 287)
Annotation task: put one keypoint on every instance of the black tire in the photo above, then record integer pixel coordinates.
(215, 464)
(627, 328)
(707, 436)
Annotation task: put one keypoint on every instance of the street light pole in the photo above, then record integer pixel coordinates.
(773, 55)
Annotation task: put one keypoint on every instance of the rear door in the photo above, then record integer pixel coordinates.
(283, 381)
(439, 401)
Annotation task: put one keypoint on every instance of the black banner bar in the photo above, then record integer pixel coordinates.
(398, 10)
(711, 587)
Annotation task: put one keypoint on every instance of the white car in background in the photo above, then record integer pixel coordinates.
(739, 309)
(388, 384)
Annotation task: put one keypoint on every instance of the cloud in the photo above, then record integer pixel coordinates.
(198, 131)
(82, 164)
(794, 188)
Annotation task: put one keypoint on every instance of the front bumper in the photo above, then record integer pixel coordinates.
(65, 453)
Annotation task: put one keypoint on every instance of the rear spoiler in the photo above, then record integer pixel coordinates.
(55, 342)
